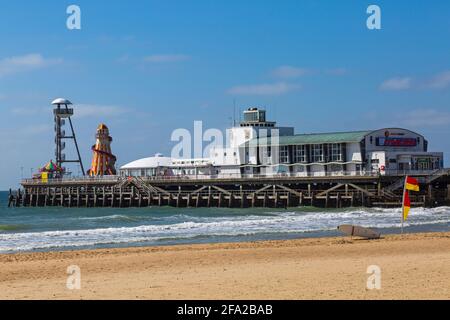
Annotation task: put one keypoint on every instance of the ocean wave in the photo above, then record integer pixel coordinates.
(182, 227)
(118, 217)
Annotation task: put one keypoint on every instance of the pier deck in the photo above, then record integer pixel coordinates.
(280, 191)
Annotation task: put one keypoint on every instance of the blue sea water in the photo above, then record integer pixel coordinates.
(51, 229)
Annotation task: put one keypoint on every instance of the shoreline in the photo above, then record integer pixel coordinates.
(414, 266)
(312, 235)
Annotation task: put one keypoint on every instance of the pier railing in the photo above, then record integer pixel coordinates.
(234, 176)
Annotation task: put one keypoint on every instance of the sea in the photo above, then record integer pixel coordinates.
(58, 229)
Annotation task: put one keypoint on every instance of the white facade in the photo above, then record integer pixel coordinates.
(400, 150)
(259, 148)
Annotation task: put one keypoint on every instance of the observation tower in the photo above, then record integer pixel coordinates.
(63, 113)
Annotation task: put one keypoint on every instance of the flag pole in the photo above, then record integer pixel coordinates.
(403, 202)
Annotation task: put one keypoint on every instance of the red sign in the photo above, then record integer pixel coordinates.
(396, 142)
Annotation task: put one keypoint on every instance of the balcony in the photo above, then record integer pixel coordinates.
(63, 113)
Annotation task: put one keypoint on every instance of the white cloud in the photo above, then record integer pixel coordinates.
(19, 111)
(90, 110)
(336, 71)
(37, 129)
(80, 111)
(29, 62)
(440, 81)
(161, 58)
(289, 72)
(396, 84)
(123, 59)
(264, 89)
(426, 118)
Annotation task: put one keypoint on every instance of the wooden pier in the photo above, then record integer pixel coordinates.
(266, 192)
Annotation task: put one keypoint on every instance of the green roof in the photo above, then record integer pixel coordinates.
(315, 138)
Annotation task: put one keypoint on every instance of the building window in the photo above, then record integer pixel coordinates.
(317, 153)
(335, 152)
(299, 154)
(267, 155)
(284, 154)
(336, 168)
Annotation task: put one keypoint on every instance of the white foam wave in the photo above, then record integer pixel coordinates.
(221, 226)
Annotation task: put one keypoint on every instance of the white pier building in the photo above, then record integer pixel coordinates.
(258, 147)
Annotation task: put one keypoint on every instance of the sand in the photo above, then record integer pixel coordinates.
(414, 266)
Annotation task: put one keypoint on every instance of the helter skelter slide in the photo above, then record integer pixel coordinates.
(103, 161)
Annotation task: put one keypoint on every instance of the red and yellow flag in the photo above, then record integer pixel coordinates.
(412, 184)
(406, 205)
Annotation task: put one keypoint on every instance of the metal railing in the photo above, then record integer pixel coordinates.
(75, 179)
(234, 176)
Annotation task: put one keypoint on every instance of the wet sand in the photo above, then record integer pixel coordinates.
(414, 266)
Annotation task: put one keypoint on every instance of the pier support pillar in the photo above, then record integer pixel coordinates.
(266, 198)
(276, 200)
(197, 201)
(188, 202)
(231, 201)
(95, 197)
(242, 196)
(112, 197)
(430, 195)
(78, 197)
(338, 201)
(178, 200)
(209, 197)
(220, 200)
(363, 200)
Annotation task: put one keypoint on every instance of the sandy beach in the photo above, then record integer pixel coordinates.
(414, 266)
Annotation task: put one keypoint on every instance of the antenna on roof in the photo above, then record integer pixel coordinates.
(234, 112)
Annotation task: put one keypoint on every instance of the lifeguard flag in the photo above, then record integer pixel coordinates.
(406, 205)
(412, 184)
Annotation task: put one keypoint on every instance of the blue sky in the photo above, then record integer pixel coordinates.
(146, 68)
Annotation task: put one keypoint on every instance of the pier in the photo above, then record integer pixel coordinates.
(263, 192)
